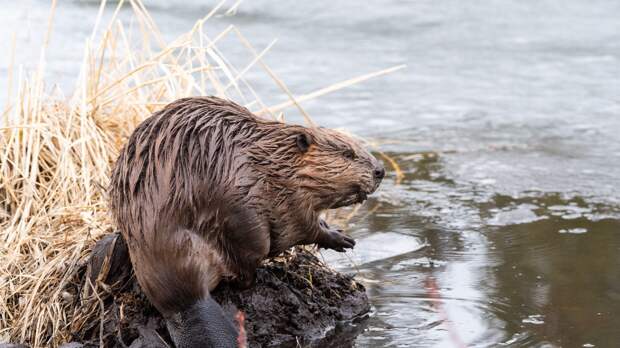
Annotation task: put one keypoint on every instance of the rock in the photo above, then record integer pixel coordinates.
(296, 300)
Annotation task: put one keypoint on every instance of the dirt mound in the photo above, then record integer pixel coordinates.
(296, 299)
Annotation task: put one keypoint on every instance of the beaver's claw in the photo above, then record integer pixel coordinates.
(336, 240)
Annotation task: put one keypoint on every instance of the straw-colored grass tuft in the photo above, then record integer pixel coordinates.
(57, 154)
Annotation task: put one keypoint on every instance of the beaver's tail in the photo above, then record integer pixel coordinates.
(176, 271)
(204, 324)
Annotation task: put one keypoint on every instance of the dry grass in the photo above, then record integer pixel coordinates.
(57, 153)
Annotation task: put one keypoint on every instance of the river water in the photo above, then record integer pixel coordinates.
(505, 228)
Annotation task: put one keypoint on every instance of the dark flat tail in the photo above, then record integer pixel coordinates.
(202, 325)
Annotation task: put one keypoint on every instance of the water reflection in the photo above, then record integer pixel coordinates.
(447, 265)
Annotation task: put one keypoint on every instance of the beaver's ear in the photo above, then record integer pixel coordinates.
(303, 141)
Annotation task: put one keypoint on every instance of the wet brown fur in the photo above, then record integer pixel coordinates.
(204, 190)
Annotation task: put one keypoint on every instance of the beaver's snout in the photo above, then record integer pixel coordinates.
(362, 191)
(379, 173)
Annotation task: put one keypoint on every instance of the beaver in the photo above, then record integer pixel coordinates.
(204, 190)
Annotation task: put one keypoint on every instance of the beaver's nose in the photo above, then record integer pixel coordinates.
(379, 172)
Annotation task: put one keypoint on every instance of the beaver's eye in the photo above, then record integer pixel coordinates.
(349, 154)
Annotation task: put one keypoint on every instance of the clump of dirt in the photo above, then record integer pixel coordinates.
(296, 300)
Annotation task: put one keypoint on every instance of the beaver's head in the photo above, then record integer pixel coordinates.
(335, 169)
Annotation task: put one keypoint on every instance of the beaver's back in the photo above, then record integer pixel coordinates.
(177, 154)
(176, 188)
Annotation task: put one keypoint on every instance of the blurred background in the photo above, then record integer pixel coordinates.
(505, 228)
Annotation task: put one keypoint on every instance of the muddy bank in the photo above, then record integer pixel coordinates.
(295, 299)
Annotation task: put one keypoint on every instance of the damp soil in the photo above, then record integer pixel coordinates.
(296, 300)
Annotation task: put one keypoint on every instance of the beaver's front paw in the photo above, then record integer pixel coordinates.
(336, 240)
